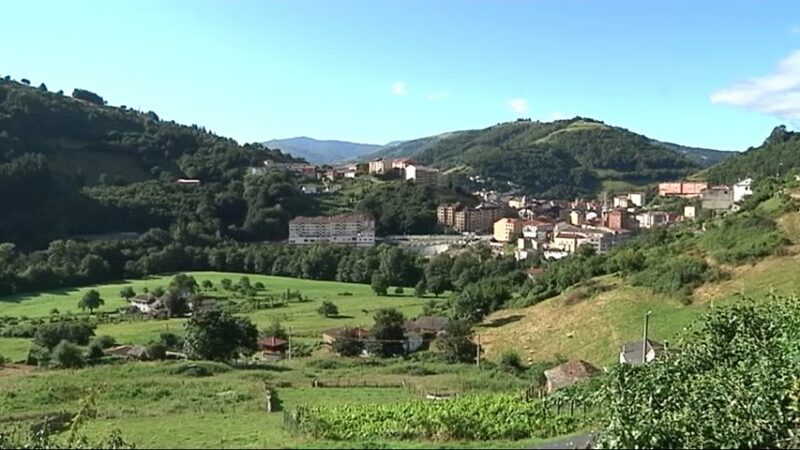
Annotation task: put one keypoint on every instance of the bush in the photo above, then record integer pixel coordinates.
(398, 290)
(511, 362)
(199, 369)
(170, 340)
(157, 351)
(95, 352)
(328, 309)
(67, 355)
(742, 238)
(104, 341)
(3, 361)
(49, 335)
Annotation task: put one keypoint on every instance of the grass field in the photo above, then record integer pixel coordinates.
(305, 322)
(154, 406)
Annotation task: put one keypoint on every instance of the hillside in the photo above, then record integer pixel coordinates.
(321, 151)
(58, 154)
(778, 155)
(593, 318)
(564, 158)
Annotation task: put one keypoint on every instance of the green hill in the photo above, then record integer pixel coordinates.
(778, 155)
(59, 154)
(321, 151)
(556, 159)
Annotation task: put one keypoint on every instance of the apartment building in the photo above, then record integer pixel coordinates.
(717, 198)
(426, 176)
(685, 189)
(355, 229)
(380, 166)
(472, 220)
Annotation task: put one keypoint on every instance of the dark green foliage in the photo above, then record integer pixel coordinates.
(218, 336)
(398, 290)
(676, 275)
(226, 283)
(733, 384)
(91, 301)
(67, 355)
(127, 292)
(170, 340)
(94, 353)
(207, 285)
(328, 309)
(777, 156)
(477, 300)
(511, 362)
(380, 283)
(456, 343)
(348, 343)
(421, 288)
(387, 336)
(91, 97)
(48, 335)
(104, 341)
(157, 351)
(401, 208)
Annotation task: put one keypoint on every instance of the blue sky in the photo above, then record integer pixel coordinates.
(717, 74)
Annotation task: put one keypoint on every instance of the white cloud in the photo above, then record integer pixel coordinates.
(399, 88)
(518, 105)
(434, 96)
(555, 115)
(776, 94)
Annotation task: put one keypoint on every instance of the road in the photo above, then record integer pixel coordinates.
(578, 441)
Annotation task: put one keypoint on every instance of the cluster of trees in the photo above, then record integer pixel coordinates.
(778, 156)
(733, 384)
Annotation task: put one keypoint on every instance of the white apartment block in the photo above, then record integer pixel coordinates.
(742, 189)
(421, 174)
(357, 230)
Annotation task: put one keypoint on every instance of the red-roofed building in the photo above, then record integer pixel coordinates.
(273, 346)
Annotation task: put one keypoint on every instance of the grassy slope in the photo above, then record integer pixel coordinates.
(594, 328)
(302, 317)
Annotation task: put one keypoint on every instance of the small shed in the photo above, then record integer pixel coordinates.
(568, 374)
(273, 346)
(641, 351)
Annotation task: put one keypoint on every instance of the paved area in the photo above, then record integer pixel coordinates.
(579, 441)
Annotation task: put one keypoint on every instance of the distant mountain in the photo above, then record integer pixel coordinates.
(563, 158)
(321, 152)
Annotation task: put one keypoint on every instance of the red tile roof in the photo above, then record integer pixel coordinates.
(272, 342)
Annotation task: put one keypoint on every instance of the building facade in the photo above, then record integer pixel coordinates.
(742, 189)
(356, 230)
(426, 176)
(685, 189)
(718, 198)
(379, 166)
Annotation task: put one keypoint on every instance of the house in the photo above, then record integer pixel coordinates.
(652, 219)
(742, 189)
(507, 229)
(330, 336)
(143, 302)
(684, 189)
(568, 374)
(577, 217)
(619, 219)
(690, 212)
(425, 176)
(273, 346)
(188, 181)
(428, 326)
(632, 352)
(402, 163)
(621, 201)
(637, 198)
(309, 189)
(379, 166)
(717, 198)
(413, 341)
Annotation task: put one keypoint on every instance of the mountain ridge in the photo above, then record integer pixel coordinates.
(321, 151)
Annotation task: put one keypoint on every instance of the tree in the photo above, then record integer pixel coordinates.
(170, 340)
(94, 268)
(183, 285)
(456, 344)
(348, 343)
(48, 335)
(511, 362)
(91, 301)
(226, 283)
(127, 293)
(477, 300)
(437, 274)
(244, 283)
(219, 336)
(94, 352)
(157, 351)
(259, 286)
(67, 355)
(380, 284)
(328, 309)
(387, 337)
(175, 304)
(420, 289)
(207, 284)
(275, 329)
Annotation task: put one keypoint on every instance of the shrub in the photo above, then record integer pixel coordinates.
(199, 369)
(157, 351)
(67, 355)
(95, 352)
(511, 362)
(49, 335)
(398, 290)
(328, 309)
(104, 341)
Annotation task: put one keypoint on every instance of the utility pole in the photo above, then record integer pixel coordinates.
(290, 342)
(644, 342)
(478, 353)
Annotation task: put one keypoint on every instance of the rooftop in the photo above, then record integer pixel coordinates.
(344, 218)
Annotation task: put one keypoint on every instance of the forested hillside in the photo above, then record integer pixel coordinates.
(564, 158)
(75, 165)
(321, 151)
(778, 155)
